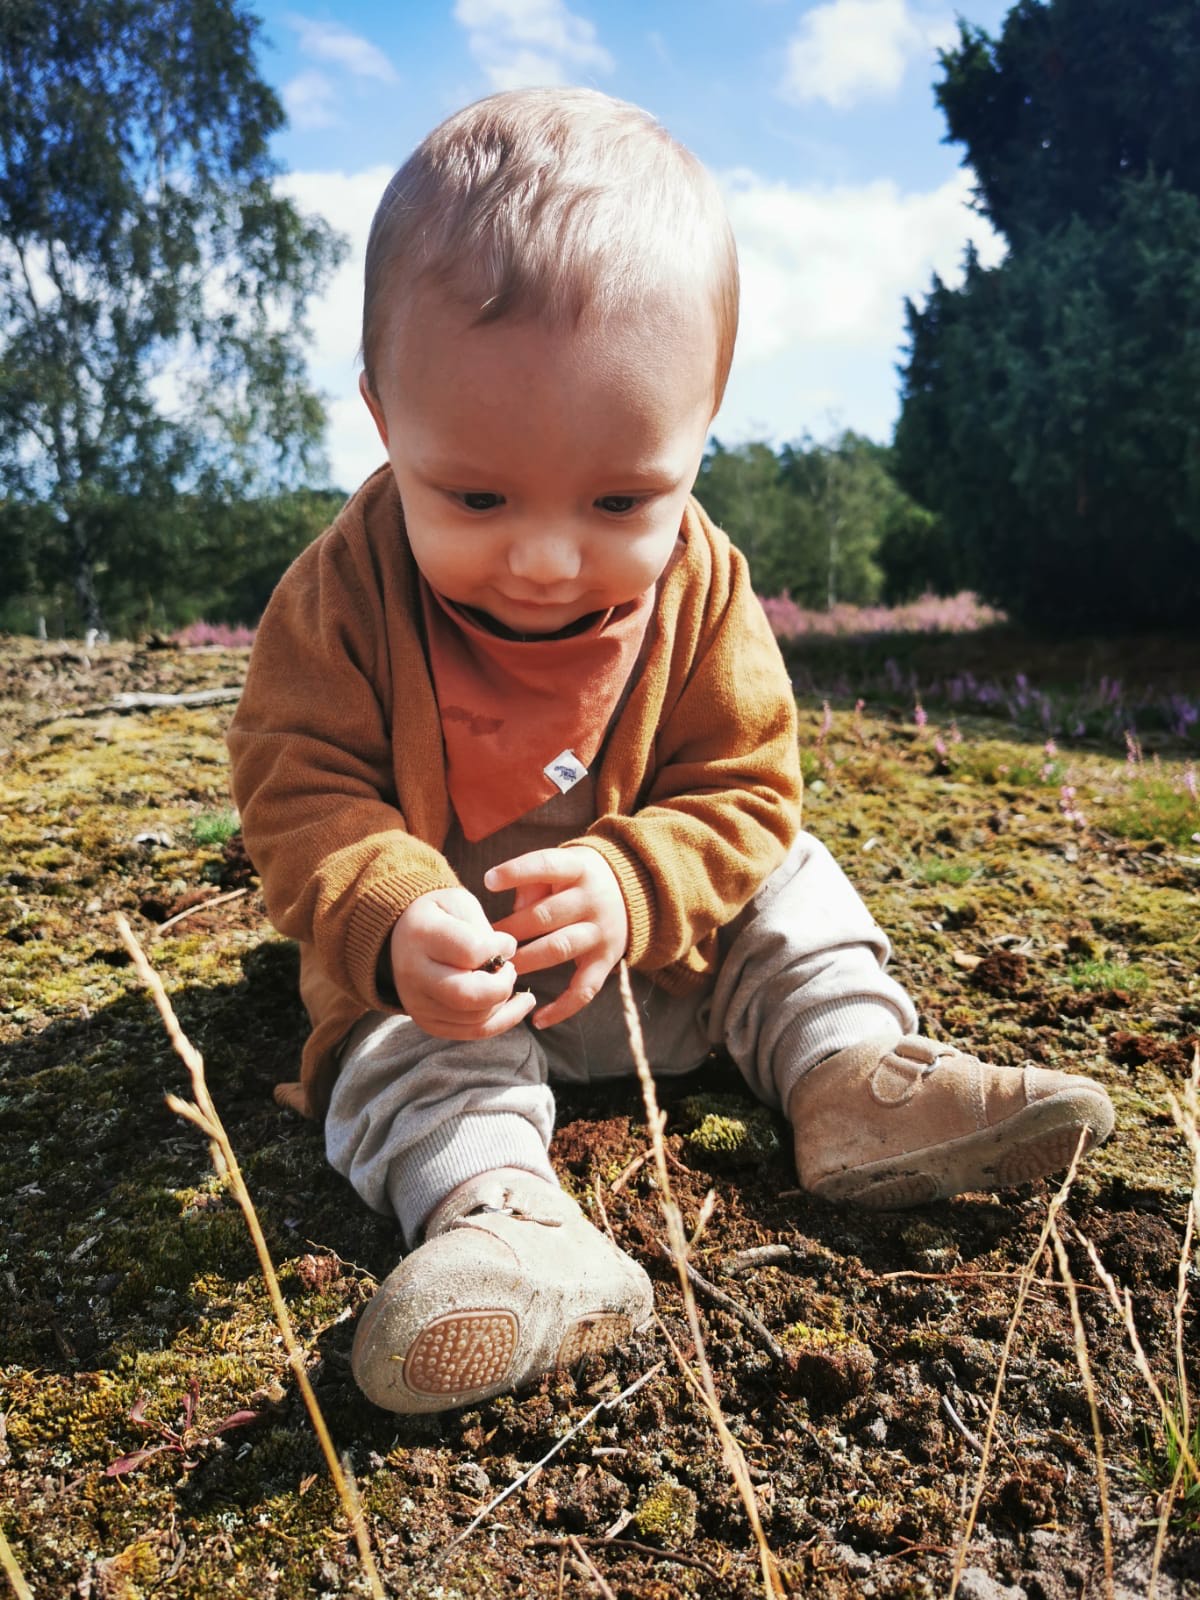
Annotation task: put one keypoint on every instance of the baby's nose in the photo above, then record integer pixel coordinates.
(544, 558)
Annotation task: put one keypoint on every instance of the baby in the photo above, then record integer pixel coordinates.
(517, 716)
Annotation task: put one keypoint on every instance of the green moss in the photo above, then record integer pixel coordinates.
(666, 1511)
(730, 1127)
(215, 827)
(1099, 977)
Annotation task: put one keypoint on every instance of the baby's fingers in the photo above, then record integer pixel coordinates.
(580, 992)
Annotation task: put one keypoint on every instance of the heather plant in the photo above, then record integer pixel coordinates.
(213, 636)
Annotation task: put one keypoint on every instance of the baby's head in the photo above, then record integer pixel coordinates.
(556, 205)
(550, 311)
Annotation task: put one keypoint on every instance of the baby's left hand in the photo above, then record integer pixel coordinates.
(569, 908)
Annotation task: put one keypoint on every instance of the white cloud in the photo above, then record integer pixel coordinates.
(849, 50)
(521, 43)
(347, 201)
(310, 100)
(329, 41)
(831, 266)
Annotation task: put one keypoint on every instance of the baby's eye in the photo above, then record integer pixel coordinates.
(481, 501)
(617, 505)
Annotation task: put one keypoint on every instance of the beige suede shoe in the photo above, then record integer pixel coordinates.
(886, 1124)
(512, 1280)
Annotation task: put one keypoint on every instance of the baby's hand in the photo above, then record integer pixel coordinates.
(569, 907)
(440, 950)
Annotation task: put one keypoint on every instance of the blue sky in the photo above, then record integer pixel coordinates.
(817, 119)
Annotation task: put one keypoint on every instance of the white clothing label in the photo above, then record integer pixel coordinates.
(565, 771)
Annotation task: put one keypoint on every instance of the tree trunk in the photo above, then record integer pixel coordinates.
(84, 578)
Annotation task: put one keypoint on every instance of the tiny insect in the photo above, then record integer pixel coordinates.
(493, 965)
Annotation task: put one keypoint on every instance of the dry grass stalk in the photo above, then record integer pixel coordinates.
(1089, 1385)
(1187, 1119)
(731, 1452)
(1023, 1289)
(203, 1114)
(12, 1571)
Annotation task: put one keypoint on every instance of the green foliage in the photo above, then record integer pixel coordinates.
(1155, 808)
(1074, 98)
(215, 827)
(1051, 405)
(812, 519)
(1104, 977)
(152, 288)
(1052, 417)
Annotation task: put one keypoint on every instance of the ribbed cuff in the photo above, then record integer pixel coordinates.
(824, 1030)
(476, 1143)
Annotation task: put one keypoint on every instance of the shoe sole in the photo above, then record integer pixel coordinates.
(1035, 1142)
(468, 1355)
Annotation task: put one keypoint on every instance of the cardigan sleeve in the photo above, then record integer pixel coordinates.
(311, 745)
(723, 799)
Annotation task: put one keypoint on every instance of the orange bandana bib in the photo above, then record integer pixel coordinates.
(523, 719)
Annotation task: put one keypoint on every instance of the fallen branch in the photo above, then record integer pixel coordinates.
(591, 1569)
(763, 1255)
(129, 700)
(731, 1452)
(203, 1115)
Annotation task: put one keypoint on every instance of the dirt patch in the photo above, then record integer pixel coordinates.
(131, 1311)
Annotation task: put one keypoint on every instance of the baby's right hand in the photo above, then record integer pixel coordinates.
(438, 950)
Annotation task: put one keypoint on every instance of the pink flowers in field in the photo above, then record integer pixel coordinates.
(1066, 804)
(213, 636)
(960, 613)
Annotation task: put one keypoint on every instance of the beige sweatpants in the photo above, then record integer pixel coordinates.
(802, 975)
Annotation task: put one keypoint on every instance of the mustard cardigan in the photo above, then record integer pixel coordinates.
(339, 779)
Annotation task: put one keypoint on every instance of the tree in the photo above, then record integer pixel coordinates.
(1051, 405)
(1052, 415)
(1073, 97)
(152, 282)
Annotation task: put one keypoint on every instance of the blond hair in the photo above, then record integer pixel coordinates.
(556, 204)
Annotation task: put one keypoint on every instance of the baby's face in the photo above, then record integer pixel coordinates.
(544, 472)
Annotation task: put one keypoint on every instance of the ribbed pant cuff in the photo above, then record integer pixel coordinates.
(824, 1030)
(476, 1143)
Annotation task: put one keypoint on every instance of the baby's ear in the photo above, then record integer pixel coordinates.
(374, 407)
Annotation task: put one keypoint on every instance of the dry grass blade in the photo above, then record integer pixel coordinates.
(677, 1239)
(1089, 1385)
(12, 1571)
(204, 1115)
(1023, 1289)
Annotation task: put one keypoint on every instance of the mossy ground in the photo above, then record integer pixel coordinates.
(1035, 924)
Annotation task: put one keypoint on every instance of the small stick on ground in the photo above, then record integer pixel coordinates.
(727, 1303)
(763, 1255)
(677, 1557)
(960, 1426)
(201, 905)
(592, 1570)
(601, 1405)
(203, 1115)
(731, 1452)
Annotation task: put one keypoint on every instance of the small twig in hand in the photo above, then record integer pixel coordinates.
(203, 1115)
(961, 1426)
(602, 1405)
(727, 1303)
